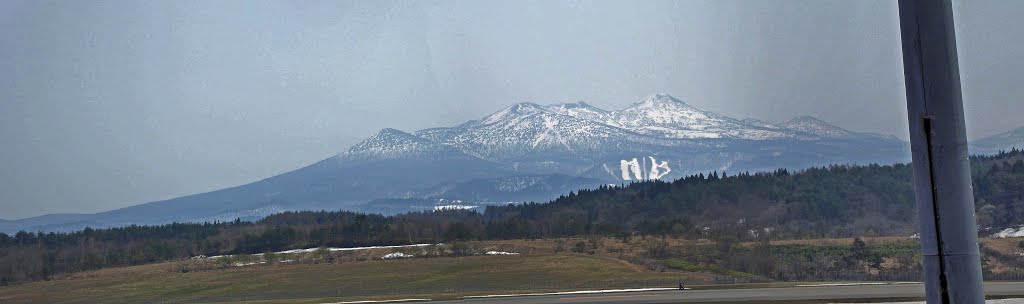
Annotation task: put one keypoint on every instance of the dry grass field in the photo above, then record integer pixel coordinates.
(316, 283)
(540, 266)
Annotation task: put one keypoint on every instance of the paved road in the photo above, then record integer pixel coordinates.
(756, 294)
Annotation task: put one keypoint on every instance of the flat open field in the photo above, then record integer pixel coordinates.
(437, 278)
(363, 275)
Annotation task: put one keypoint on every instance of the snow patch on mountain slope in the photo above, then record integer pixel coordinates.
(527, 128)
(636, 169)
(514, 112)
(390, 144)
(580, 110)
(550, 134)
(665, 116)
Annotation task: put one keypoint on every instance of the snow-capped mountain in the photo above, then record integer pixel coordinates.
(390, 143)
(579, 127)
(665, 116)
(527, 129)
(816, 127)
(585, 131)
(524, 152)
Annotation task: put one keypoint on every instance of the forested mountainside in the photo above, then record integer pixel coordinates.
(834, 201)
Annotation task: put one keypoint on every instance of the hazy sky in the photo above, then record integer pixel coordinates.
(105, 104)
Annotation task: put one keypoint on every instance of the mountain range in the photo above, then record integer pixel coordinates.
(999, 142)
(525, 152)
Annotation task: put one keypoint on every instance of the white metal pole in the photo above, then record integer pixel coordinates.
(942, 176)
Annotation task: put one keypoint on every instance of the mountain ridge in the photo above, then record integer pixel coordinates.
(523, 152)
(999, 142)
(649, 112)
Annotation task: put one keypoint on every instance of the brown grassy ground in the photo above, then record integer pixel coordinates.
(1007, 245)
(416, 277)
(841, 241)
(363, 275)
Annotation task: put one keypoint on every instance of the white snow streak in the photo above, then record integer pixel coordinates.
(634, 169)
(571, 292)
(632, 166)
(332, 249)
(656, 173)
(382, 301)
(396, 255)
(500, 253)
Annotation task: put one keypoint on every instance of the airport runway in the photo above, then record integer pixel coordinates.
(754, 294)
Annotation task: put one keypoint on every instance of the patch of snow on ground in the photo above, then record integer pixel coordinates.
(572, 292)
(1010, 233)
(396, 255)
(332, 249)
(247, 264)
(240, 264)
(500, 253)
(353, 248)
(382, 301)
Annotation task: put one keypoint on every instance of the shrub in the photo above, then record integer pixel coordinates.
(595, 243)
(226, 261)
(323, 255)
(459, 248)
(433, 250)
(271, 257)
(624, 237)
(687, 266)
(656, 248)
(580, 247)
(559, 246)
(683, 265)
(243, 259)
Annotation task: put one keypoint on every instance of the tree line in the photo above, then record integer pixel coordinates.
(831, 201)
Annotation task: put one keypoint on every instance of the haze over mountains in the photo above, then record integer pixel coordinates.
(1002, 141)
(525, 152)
